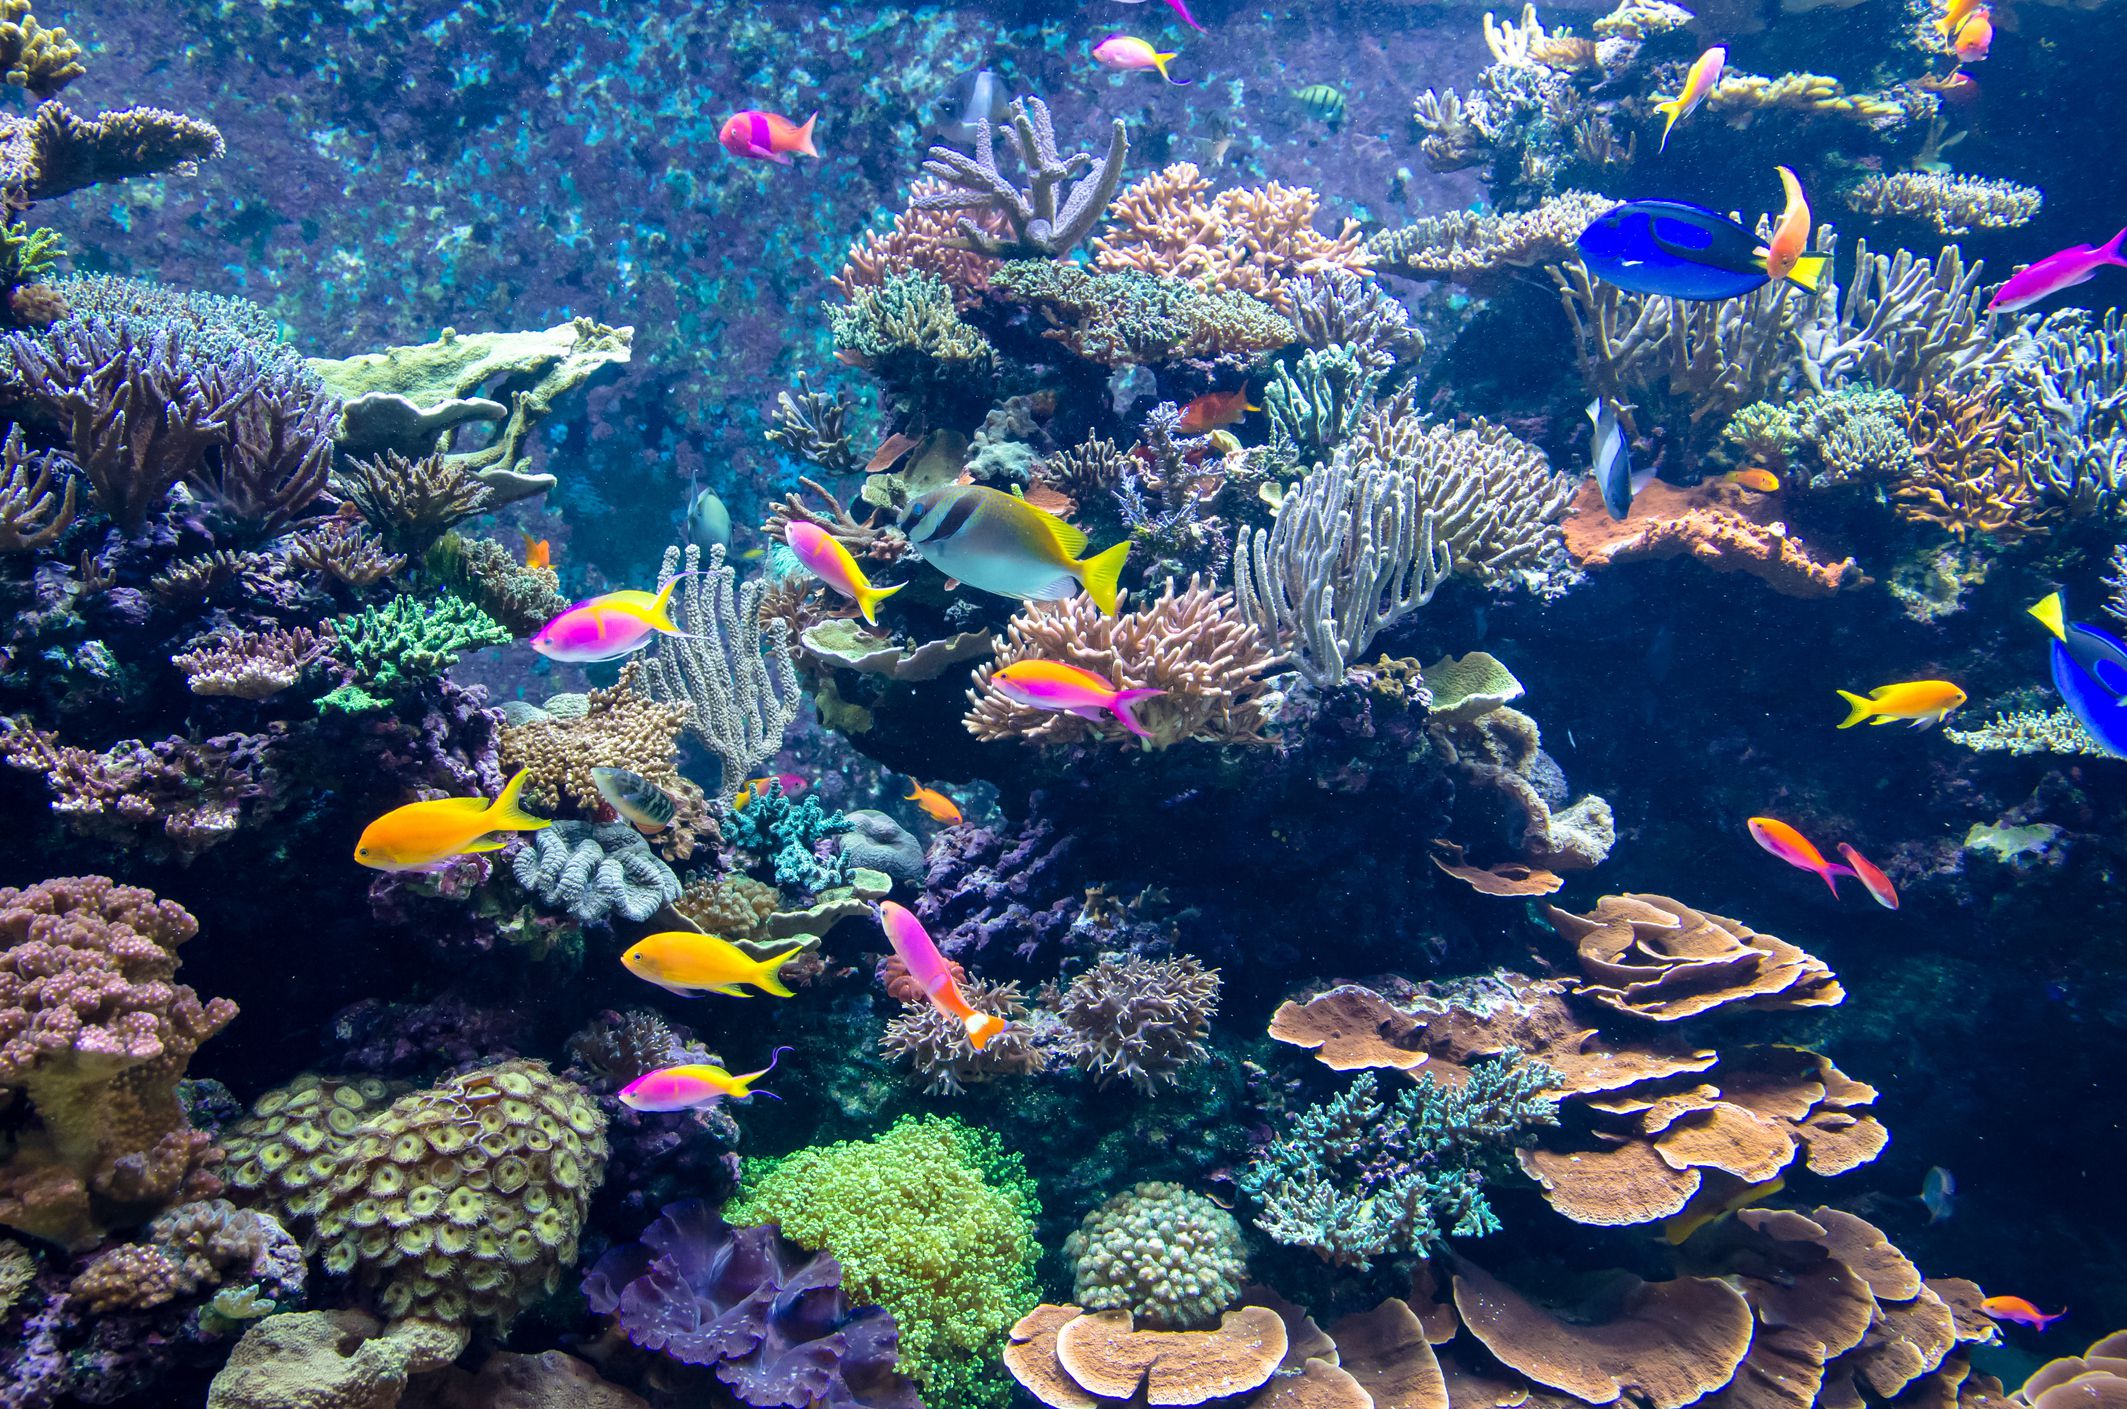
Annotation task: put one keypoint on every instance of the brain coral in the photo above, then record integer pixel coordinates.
(454, 1204)
(1173, 1258)
(931, 1220)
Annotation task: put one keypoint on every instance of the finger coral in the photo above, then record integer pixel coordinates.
(1193, 645)
(2068, 383)
(32, 514)
(1141, 1020)
(1339, 308)
(1171, 1258)
(189, 1248)
(97, 1036)
(1253, 240)
(1043, 220)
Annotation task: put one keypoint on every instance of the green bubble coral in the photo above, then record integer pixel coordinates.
(931, 1220)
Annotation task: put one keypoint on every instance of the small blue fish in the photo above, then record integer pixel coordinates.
(1683, 251)
(2090, 671)
(1612, 458)
(1939, 1192)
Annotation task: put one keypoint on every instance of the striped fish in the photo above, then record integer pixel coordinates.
(1323, 103)
(997, 543)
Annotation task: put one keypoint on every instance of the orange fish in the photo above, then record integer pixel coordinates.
(538, 553)
(790, 783)
(1954, 14)
(1924, 702)
(1214, 410)
(1783, 252)
(936, 805)
(424, 836)
(1878, 885)
(767, 137)
(1974, 38)
(1795, 849)
(1763, 481)
(2015, 1308)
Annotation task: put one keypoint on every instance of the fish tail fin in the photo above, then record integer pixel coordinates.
(1831, 873)
(2053, 613)
(1101, 573)
(1673, 110)
(744, 1083)
(1160, 61)
(766, 974)
(805, 148)
(868, 599)
(981, 1027)
(507, 814)
(2044, 1320)
(1122, 708)
(659, 612)
(1862, 709)
(2113, 247)
(1809, 270)
(1181, 7)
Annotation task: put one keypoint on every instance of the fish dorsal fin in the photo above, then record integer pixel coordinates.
(1069, 536)
(460, 804)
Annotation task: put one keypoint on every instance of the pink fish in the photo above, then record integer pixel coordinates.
(608, 627)
(1180, 7)
(928, 967)
(1877, 884)
(2054, 273)
(2015, 1308)
(767, 137)
(1125, 53)
(1795, 849)
(696, 1086)
(825, 558)
(1053, 685)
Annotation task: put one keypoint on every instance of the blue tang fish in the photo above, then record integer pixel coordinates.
(1683, 251)
(1612, 456)
(2101, 655)
(1939, 1192)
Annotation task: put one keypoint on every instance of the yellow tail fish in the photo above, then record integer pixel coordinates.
(682, 962)
(997, 543)
(424, 836)
(1924, 702)
(1705, 73)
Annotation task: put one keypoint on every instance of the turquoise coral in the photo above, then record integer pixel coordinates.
(786, 835)
(406, 641)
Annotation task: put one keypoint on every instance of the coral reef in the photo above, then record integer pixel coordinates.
(1172, 1259)
(731, 670)
(1045, 221)
(1126, 318)
(1953, 205)
(594, 871)
(1139, 1019)
(1715, 524)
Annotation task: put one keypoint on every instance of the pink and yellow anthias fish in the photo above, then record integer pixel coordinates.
(424, 836)
(1071, 689)
(2015, 1308)
(936, 805)
(608, 627)
(1975, 38)
(1923, 702)
(825, 558)
(690, 964)
(1795, 849)
(1790, 239)
(1180, 7)
(1125, 53)
(694, 1087)
(1954, 15)
(1705, 73)
(791, 785)
(928, 967)
(767, 137)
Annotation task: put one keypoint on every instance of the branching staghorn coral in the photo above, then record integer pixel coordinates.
(54, 152)
(738, 681)
(521, 597)
(1253, 241)
(1906, 323)
(250, 665)
(1968, 474)
(1739, 97)
(814, 426)
(33, 57)
(1359, 1177)
(1338, 308)
(32, 515)
(1043, 221)
(925, 240)
(1466, 247)
(278, 454)
(1193, 644)
(344, 551)
(2068, 383)
(412, 502)
(1130, 318)
(1954, 205)
(1139, 1019)
(410, 639)
(1093, 467)
(1519, 119)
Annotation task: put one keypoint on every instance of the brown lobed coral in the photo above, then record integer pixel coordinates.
(1653, 957)
(1192, 644)
(1969, 474)
(95, 1033)
(1716, 523)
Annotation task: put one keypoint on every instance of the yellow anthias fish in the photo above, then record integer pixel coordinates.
(682, 962)
(1704, 1208)
(1924, 702)
(1784, 251)
(1705, 73)
(424, 836)
(1954, 14)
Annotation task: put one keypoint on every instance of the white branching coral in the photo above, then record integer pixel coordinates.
(1954, 205)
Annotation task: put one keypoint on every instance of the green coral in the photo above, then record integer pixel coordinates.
(1852, 435)
(908, 314)
(29, 254)
(1172, 1258)
(1317, 403)
(1125, 318)
(931, 1220)
(1359, 1178)
(406, 641)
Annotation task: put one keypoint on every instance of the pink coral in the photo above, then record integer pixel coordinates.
(927, 242)
(96, 1033)
(1710, 523)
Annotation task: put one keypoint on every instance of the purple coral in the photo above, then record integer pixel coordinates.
(986, 884)
(771, 1318)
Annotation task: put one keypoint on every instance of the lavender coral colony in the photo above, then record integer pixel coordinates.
(1026, 740)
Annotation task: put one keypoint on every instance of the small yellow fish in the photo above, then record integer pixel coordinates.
(1705, 73)
(424, 836)
(538, 552)
(1706, 1208)
(936, 805)
(1954, 15)
(1924, 702)
(686, 963)
(1763, 481)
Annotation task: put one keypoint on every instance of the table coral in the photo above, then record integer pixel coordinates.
(1953, 204)
(1716, 524)
(250, 665)
(1468, 248)
(97, 1036)
(931, 1220)
(1656, 958)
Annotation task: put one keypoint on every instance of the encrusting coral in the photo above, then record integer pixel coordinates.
(1191, 644)
(97, 1035)
(1721, 525)
(1172, 1258)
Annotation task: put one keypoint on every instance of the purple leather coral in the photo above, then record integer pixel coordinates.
(770, 1317)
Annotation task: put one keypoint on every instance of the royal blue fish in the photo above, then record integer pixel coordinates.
(1612, 459)
(1939, 1192)
(2102, 656)
(1683, 251)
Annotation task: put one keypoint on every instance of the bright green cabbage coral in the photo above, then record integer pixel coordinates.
(407, 640)
(934, 1222)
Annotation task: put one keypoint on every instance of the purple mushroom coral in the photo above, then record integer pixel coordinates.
(769, 1316)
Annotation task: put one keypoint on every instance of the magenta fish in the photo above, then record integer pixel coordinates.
(608, 627)
(2056, 272)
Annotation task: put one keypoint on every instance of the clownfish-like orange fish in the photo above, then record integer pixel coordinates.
(538, 553)
(936, 805)
(1215, 410)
